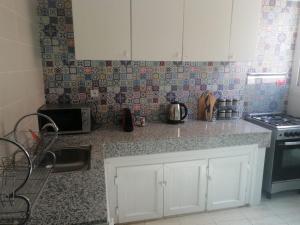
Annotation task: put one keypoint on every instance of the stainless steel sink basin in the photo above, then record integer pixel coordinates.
(72, 159)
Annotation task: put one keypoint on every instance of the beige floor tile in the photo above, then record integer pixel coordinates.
(257, 212)
(196, 219)
(287, 205)
(227, 215)
(291, 218)
(140, 223)
(274, 220)
(286, 210)
(168, 221)
(295, 223)
(235, 222)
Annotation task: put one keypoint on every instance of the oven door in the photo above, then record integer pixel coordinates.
(286, 161)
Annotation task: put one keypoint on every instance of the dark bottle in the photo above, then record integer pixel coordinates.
(127, 120)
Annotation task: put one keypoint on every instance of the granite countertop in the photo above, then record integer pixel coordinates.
(192, 135)
(190, 129)
(80, 197)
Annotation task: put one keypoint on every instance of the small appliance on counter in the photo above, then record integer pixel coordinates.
(70, 119)
(127, 120)
(177, 112)
(282, 163)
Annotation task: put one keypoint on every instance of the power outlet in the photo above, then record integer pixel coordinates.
(95, 93)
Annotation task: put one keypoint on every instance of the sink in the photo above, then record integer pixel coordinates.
(71, 159)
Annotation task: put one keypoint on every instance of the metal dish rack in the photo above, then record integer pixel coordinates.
(22, 174)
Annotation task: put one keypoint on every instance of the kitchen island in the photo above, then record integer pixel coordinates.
(80, 197)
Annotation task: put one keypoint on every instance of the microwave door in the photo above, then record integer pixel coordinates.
(67, 120)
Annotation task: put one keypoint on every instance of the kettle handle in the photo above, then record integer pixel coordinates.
(182, 117)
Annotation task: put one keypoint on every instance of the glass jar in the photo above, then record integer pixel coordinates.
(228, 102)
(222, 114)
(228, 114)
(235, 102)
(222, 102)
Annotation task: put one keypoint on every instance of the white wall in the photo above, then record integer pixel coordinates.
(294, 92)
(21, 75)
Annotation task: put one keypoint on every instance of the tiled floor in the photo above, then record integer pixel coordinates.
(283, 209)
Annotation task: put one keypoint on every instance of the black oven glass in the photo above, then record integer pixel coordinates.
(286, 161)
(65, 119)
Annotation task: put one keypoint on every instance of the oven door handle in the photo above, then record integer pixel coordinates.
(291, 143)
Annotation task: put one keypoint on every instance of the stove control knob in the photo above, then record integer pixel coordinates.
(297, 133)
(286, 134)
(293, 134)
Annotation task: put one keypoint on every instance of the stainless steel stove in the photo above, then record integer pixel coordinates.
(282, 164)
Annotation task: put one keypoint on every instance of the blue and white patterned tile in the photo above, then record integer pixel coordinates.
(274, 53)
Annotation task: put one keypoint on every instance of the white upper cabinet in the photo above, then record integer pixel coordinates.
(224, 30)
(244, 29)
(102, 29)
(166, 30)
(157, 27)
(207, 30)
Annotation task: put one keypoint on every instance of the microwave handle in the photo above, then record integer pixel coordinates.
(291, 143)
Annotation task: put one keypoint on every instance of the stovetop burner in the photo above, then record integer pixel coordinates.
(276, 120)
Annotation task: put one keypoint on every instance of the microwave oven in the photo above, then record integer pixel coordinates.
(70, 119)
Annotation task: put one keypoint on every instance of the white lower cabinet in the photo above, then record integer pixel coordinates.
(140, 192)
(185, 187)
(154, 186)
(227, 182)
(151, 191)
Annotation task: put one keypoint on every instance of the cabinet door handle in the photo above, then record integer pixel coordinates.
(291, 143)
(162, 183)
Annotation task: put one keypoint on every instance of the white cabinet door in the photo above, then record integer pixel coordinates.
(102, 29)
(157, 28)
(140, 192)
(244, 29)
(207, 30)
(185, 187)
(227, 182)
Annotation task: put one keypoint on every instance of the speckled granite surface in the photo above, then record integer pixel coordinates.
(79, 197)
(196, 135)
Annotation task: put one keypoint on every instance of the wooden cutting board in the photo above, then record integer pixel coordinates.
(206, 106)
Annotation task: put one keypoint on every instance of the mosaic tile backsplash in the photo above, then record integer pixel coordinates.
(148, 87)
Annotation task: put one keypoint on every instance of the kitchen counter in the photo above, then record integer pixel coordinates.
(159, 131)
(79, 197)
(195, 135)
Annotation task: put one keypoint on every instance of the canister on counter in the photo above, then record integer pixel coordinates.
(222, 114)
(235, 102)
(140, 121)
(228, 114)
(222, 102)
(228, 102)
